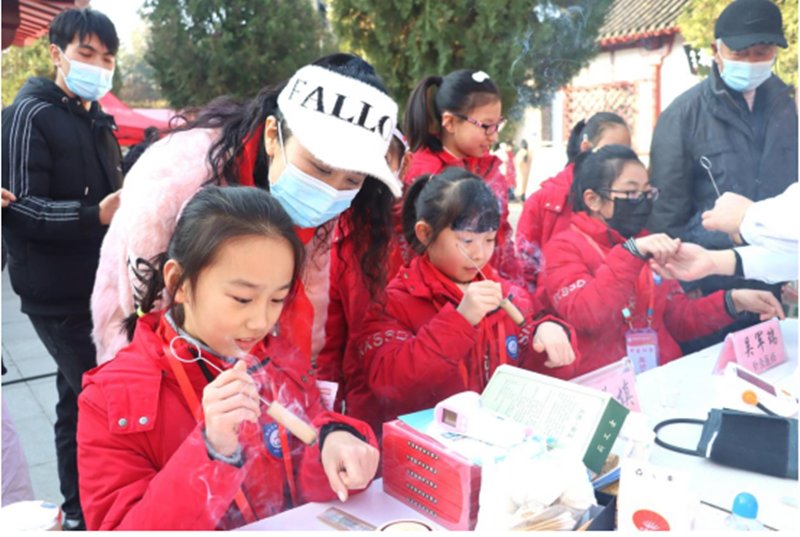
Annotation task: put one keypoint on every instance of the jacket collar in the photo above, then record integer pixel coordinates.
(470, 163)
(423, 280)
(597, 230)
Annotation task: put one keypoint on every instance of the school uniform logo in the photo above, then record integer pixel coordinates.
(512, 347)
(272, 440)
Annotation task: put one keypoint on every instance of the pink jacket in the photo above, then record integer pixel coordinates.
(166, 176)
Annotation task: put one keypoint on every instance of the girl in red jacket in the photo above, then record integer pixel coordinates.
(172, 434)
(440, 331)
(547, 212)
(598, 278)
(455, 121)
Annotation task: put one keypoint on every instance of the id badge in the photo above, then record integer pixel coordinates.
(642, 346)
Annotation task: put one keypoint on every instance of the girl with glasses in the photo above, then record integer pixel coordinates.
(597, 275)
(454, 121)
(547, 212)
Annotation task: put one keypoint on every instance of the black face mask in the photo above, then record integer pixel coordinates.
(630, 216)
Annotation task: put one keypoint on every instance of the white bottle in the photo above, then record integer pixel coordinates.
(744, 513)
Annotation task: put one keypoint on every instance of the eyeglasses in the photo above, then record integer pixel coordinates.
(489, 129)
(636, 196)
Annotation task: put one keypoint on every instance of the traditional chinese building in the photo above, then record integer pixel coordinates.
(643, 65)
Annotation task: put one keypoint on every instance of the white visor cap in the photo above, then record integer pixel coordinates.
(345, 123)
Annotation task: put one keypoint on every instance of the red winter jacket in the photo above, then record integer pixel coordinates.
(142, 458)
(349, 300)
(546, 213)
(487, 167)
(590, 278)
(419, 350)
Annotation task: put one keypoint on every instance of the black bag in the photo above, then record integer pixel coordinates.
(754, 442)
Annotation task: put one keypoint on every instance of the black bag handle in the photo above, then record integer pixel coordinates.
(695, 452)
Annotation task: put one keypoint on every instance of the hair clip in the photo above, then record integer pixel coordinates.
(140, 312)
(480, 76)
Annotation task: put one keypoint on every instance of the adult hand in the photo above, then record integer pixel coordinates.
(108, 207)
(692, 262)
(553, 339)
(479, 299)
(229, 400)
(7, 197)
(727, 214)
(762, 302)
(659, 245)
(349, 463)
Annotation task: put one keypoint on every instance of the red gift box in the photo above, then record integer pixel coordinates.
(429, 477)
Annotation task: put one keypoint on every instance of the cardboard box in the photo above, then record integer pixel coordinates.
(430, 477)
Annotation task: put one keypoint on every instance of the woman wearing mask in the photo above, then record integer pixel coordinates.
(318, 142)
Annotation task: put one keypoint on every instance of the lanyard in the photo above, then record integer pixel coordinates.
(626, 312)
(197, 410)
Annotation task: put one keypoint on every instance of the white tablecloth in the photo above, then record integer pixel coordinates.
(687, 386)
(688, 389)
(372, 505)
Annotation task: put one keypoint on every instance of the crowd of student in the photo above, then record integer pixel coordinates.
(300, 236)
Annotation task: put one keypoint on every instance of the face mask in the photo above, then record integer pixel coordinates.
(309, 201)
(745, 76)
(89, 82)
(630, 216)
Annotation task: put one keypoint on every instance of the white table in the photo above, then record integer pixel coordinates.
(689, 383)
(688, 387)
(372, 505)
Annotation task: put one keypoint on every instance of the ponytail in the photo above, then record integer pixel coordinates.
(459, 92)
(410, 213)
(422, 120)
(153, 279)
(455, 199)
(211, 218)
(591, 130)
(574, 141)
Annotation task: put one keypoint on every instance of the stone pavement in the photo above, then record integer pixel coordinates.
(29, 390)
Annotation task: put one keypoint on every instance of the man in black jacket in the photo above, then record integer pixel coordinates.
(62, 163)
(735, 131)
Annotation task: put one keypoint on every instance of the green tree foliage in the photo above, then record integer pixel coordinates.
(529, 47)
(697, 27)
(201, 49)
(140, 88)
(20, 63)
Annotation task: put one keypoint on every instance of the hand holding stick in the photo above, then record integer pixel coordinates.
(506, 304)
(282, 415)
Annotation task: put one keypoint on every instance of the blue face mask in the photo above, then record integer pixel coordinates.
(89, 82)
(745, 76)
(309, 201)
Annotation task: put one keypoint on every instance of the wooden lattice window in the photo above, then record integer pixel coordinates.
(584, 101)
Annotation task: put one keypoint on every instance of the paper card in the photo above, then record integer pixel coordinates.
(642, 347)
(653, 498)
(583, 419)
(618, 379)
(757, 348)
(327, 391)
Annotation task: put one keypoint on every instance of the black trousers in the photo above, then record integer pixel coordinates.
(68, 340)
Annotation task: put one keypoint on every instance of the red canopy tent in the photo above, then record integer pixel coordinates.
(130, 124)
